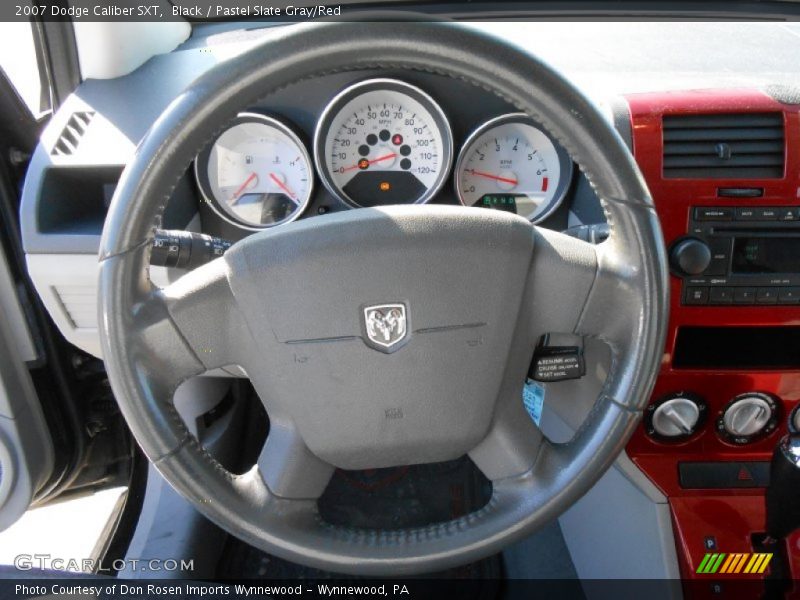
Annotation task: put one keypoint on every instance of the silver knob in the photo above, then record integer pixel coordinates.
(796, 419)
(676, 417)
(747, 416)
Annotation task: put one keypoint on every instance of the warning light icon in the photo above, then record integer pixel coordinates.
(744, 474)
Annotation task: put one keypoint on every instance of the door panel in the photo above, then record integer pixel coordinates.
(26, 451)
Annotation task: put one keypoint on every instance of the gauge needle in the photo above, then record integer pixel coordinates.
(495, 177)
(242, 188)
(283, 187)
(370, 162)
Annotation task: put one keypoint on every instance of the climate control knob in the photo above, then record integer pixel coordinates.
(675, 417)
(690, 256)
(748, 417)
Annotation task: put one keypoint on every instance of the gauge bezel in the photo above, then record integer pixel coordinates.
(333, 108)
(204, 183)
(566, 165)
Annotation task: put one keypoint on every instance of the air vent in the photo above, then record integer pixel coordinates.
(72, 133)
(724, 146)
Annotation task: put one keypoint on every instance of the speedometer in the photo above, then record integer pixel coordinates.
(383, 141)
(508, 163)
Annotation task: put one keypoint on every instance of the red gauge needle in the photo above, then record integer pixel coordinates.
(282, 186)
(370, 162)
(242, 188)
(495, 177)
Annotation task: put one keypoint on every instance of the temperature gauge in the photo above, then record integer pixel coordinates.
(508, 163)
(257, 174)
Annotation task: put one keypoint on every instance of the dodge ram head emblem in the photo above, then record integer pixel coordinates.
(386, 326)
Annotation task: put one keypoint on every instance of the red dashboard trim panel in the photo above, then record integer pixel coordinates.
(730, 516)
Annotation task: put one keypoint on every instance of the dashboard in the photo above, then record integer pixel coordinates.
(337, 142)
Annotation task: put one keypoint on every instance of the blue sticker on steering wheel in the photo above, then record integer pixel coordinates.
(533, 399)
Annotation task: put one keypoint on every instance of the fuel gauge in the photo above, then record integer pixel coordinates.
(257, 174)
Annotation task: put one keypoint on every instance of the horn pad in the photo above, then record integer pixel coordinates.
(384, 334)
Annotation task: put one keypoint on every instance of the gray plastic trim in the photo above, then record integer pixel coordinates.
(602, 544)
(75, 274)
(621, 117)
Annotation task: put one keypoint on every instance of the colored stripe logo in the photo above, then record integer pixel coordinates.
(729, 564)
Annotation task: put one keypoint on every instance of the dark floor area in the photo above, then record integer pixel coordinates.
(394, 498)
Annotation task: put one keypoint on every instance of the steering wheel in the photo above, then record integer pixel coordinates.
(475, 290)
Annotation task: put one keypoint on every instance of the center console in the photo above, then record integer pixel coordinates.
(723, 167)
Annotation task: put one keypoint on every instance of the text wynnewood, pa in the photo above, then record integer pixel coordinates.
(210, 590)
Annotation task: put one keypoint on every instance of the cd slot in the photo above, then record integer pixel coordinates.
(781, 232)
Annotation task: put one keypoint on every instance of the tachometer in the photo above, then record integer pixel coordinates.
(257, 174)
(508, 163)
(383, 141)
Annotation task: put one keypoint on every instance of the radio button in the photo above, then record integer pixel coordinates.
(720, 256)
(717, 267)
(745, 214)
(713, 214)
(789, 295)
(767, 296)
(697, 295)
(788, 214)
(721, 295)
(766, 214)
(744, 295)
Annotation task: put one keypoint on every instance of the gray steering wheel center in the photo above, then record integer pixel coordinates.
(456, 277)
(381, 337)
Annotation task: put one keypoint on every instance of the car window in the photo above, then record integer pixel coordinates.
(18, 61)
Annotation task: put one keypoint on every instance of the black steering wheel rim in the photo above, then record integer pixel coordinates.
(148, 351)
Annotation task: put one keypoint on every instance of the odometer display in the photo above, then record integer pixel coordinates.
(509, 164)
(383, 142)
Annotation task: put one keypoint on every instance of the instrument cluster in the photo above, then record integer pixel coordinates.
(379, 142)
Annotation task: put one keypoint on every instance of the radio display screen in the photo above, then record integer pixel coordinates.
(762, 255)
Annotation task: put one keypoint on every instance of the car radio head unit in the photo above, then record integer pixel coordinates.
(739, 255)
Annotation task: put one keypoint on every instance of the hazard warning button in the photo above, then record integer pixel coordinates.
(722, 475)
